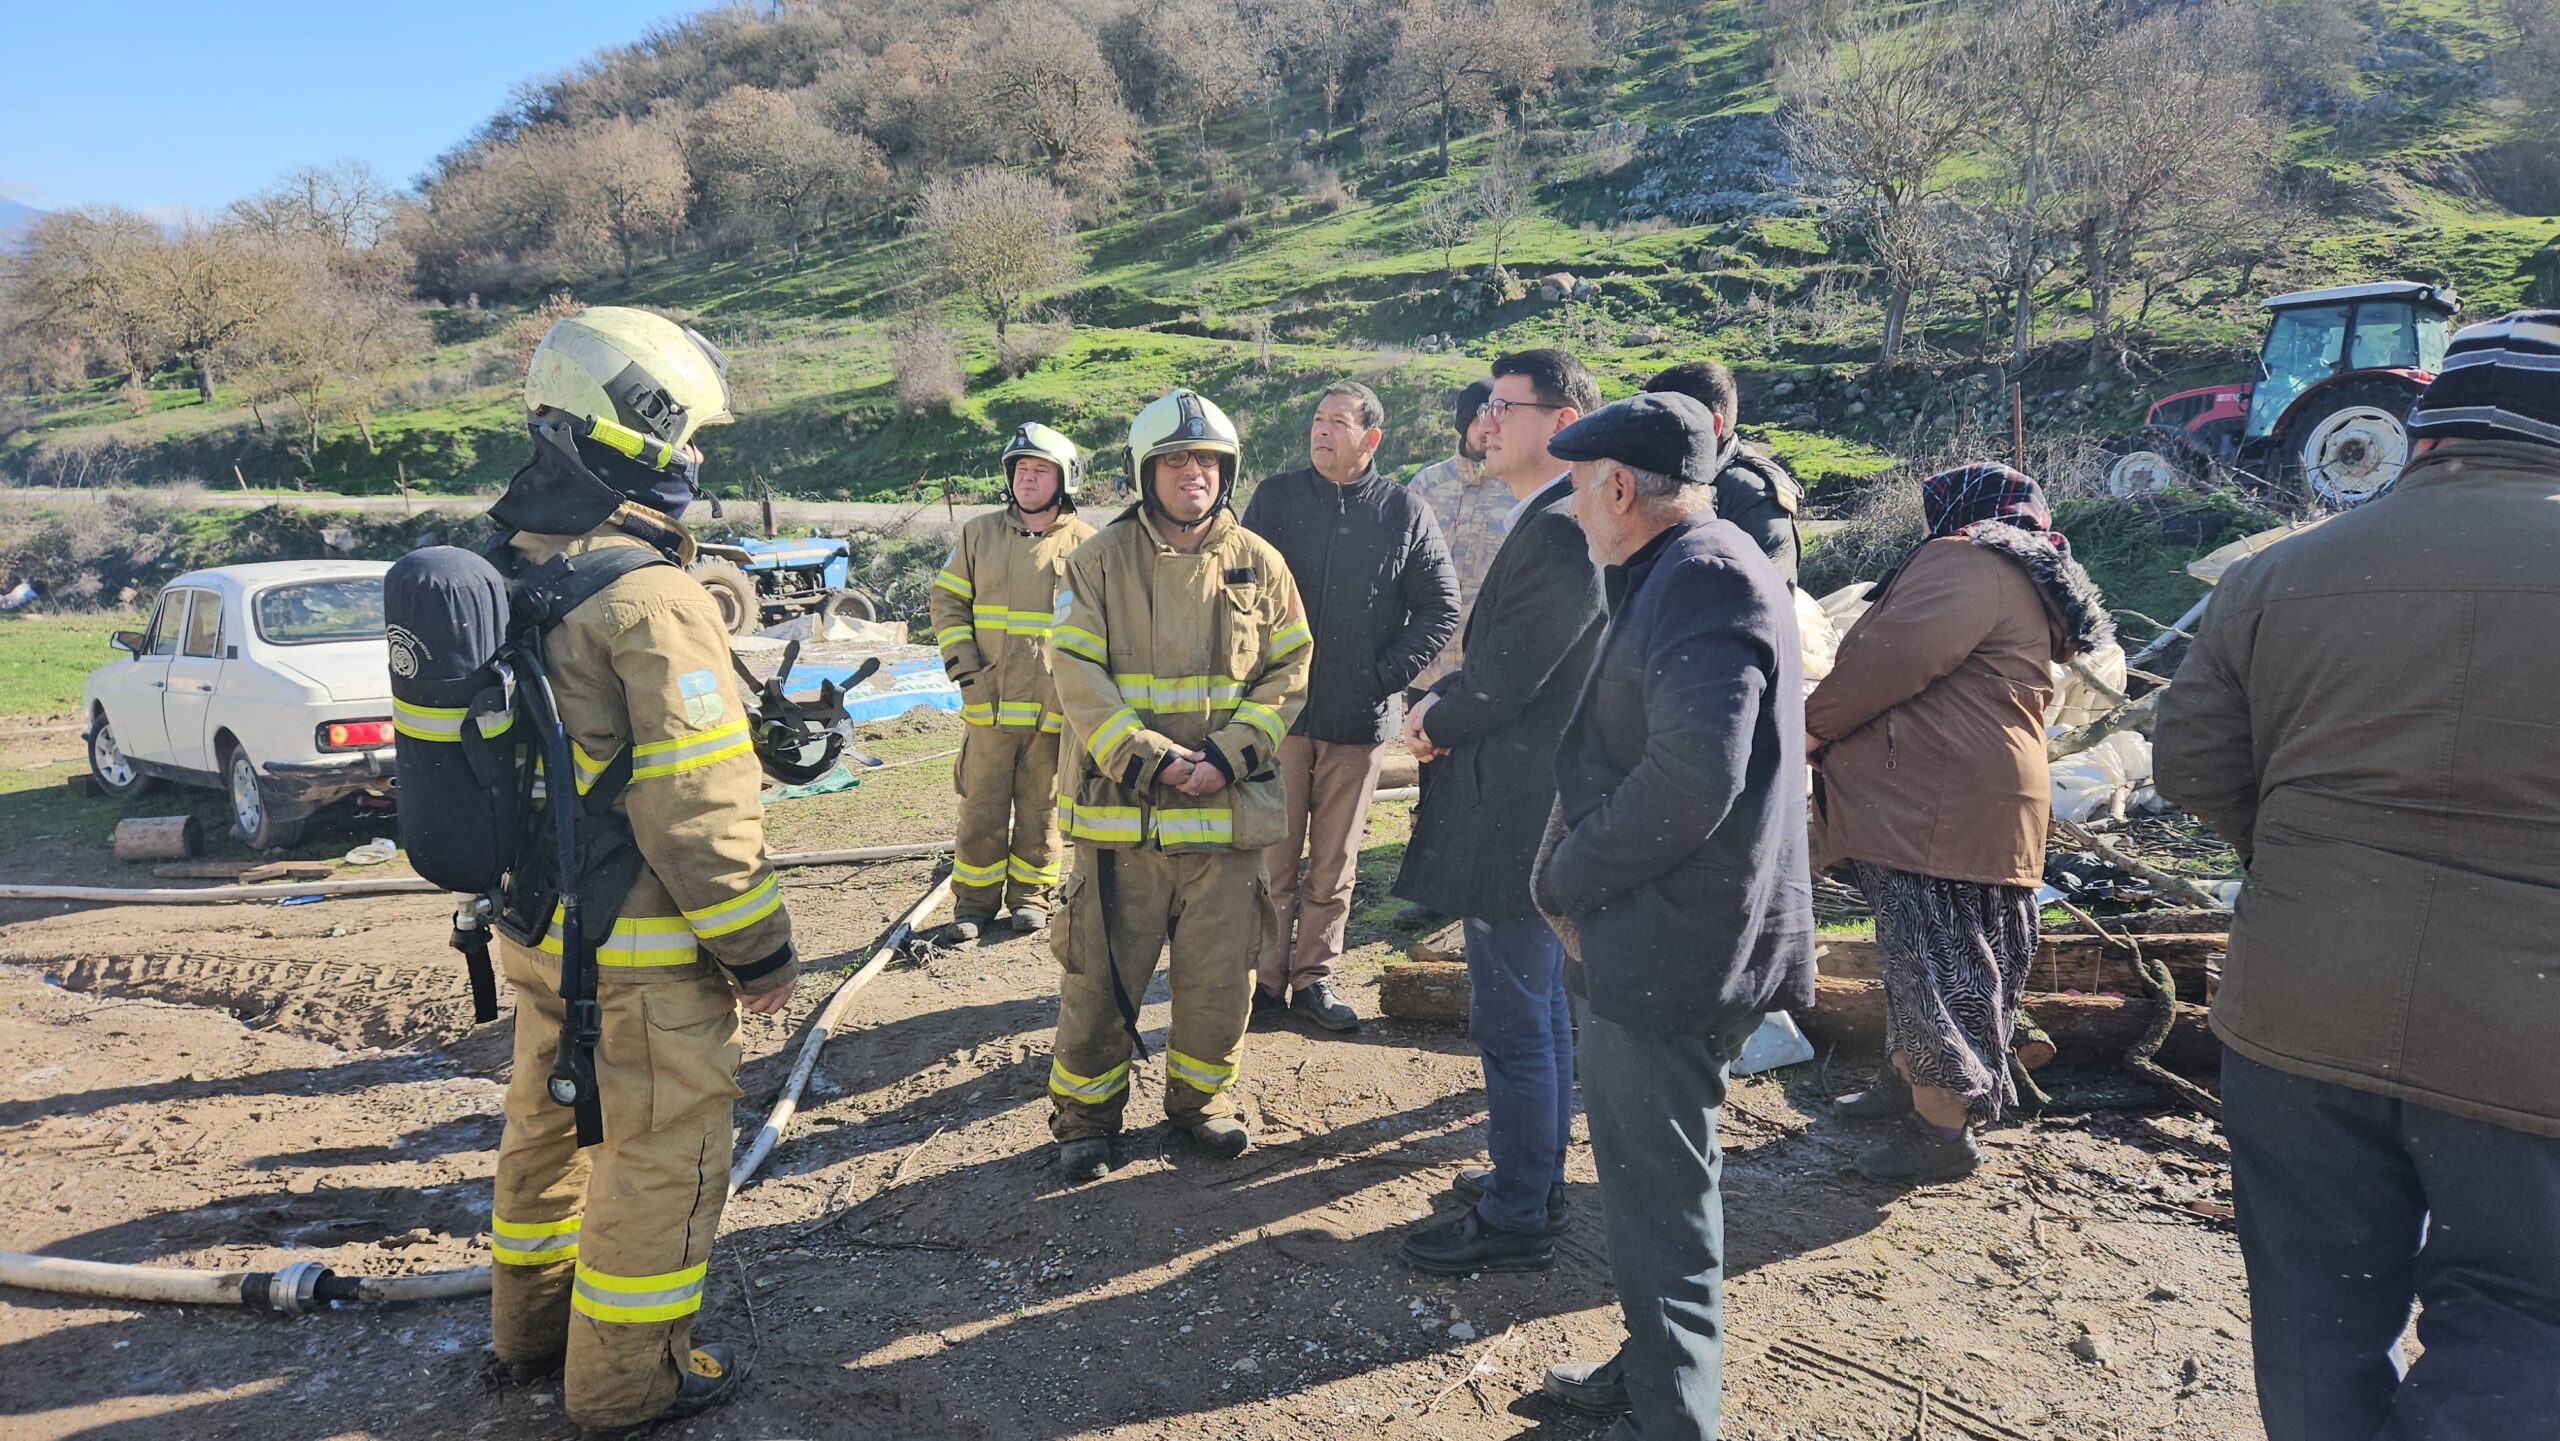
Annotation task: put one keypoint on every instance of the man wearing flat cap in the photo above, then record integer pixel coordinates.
(1676, 872)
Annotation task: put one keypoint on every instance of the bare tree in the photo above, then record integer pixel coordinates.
(1046, 96)
(1447, 220)
(1187, 61)
(2176, 134)
(631, 185)
(1502, 200)
(2043, 51)
(2530, 69)
(346, 204)
(211, 284)
(1320, 44)
(1457, 60)
(764, 160)
(997, 238)
(325, 348)
(1871, 125)
(90, 274)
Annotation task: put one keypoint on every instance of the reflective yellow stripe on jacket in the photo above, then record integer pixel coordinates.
(638, 942)
(532, 1243)
(1127, 824)
(608, 1297)
(691, 752)
(444, 723)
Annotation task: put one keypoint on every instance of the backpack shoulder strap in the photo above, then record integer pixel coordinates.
(543, 595)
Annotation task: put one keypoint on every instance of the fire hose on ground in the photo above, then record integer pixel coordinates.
(307, 1286)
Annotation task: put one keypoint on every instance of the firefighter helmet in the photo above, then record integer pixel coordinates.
(1039, 441)
(636, 382)
(1183, 420)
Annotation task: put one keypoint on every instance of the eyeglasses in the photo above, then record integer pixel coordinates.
(1174, 460)
(1500, 408)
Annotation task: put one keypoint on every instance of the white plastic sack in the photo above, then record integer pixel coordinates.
(1777, 1043)
(1846, 604)
(2103, 779)
(2076, 701)
(1819, 638)
(808, 627)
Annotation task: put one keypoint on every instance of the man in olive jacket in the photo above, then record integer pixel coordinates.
(2368, 716)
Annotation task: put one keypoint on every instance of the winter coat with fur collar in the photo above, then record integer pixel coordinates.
(1933, 714)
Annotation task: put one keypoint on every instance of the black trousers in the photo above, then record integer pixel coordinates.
(2352, 1208)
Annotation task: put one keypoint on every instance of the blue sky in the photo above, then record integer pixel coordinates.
(164, 105)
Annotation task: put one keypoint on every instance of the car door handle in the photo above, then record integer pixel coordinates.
(159, 685)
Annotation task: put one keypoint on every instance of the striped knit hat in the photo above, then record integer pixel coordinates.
(2501, 381)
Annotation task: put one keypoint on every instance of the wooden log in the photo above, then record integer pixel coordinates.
(287, 871)
(205, 870)
(159, 838)
(1423, 991)
(2069, 962)
(1449, 943)
(1399, 769)
(2087, 1030)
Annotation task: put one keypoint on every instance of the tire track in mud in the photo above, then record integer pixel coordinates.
(350, 1004)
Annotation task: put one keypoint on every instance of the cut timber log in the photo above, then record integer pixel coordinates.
(246, 872)
(1449, 943)
(159, 838)
(2087, 1030)
(1424, 990)
(2070, 963)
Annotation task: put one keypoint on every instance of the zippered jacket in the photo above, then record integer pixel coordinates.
(1380, 592)
(1153, 649)
(991, 608)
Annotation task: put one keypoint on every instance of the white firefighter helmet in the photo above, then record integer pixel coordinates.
(1035, 439)
(1183, 420)
(636, 382)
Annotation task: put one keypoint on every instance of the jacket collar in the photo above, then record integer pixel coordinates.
(1220, 524)
(2468, 459)
(631, 521)
(2078, 613)
(1623, 580)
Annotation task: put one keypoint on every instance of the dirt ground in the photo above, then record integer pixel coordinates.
(244, 1086)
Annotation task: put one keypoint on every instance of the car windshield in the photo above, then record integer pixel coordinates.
(311, 612)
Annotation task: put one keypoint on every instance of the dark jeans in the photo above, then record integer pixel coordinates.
(1516, 1013)
(2352, 1206)
(1652, 1098)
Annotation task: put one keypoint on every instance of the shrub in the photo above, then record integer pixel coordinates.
(1028, 343)
(927, 361)
(1320, 185)
(1237, 231)
(1225, 199)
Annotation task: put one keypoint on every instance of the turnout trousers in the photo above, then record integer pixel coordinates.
(1007, 854)
(1213, 910)
(601, 1253)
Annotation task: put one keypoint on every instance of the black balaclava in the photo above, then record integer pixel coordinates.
(571, 486)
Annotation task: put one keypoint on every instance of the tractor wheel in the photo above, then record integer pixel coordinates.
(846, 605)
(2155, 459)
(2347, 445)
(732, 590)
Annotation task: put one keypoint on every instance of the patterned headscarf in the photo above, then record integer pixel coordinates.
(1955, 501)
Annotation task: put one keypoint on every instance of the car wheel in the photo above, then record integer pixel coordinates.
(111, 768)
(253, 811)
(732, 590)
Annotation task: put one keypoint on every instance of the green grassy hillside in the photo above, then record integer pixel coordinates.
(1260, 309)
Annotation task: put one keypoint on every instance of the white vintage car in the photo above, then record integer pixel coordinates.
(269, 681)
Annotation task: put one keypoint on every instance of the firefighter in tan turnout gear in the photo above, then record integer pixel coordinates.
(601, 1252)
(1181, 656)
(992, 606)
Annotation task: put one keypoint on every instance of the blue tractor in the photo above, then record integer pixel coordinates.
(765, 582)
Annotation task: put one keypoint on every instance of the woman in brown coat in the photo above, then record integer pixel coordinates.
(1928, 736)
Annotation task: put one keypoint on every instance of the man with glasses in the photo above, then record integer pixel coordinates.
(1487, 736)
(1382, 600)
(1180, 653)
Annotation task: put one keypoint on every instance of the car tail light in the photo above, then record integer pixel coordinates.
(355, 735)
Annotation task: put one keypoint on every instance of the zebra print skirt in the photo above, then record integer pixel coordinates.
(1956, 960)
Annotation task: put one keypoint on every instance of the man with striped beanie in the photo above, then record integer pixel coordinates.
(2367, 716)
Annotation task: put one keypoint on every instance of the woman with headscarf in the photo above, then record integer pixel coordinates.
(1928, 738)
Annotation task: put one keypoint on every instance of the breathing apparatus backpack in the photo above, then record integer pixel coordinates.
(484, 808)
(478, 738)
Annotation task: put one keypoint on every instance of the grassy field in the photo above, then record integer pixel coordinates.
(44, 658)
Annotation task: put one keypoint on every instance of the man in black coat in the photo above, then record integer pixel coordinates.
(1678, 878)
(1382, 600)
(1752, 490)
(1487, 734)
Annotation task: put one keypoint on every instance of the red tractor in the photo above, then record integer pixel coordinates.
(2327, 417)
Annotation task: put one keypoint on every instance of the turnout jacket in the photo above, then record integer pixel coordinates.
(1379, 591)
(1154, 649)
(643, 666)
(991, 608)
